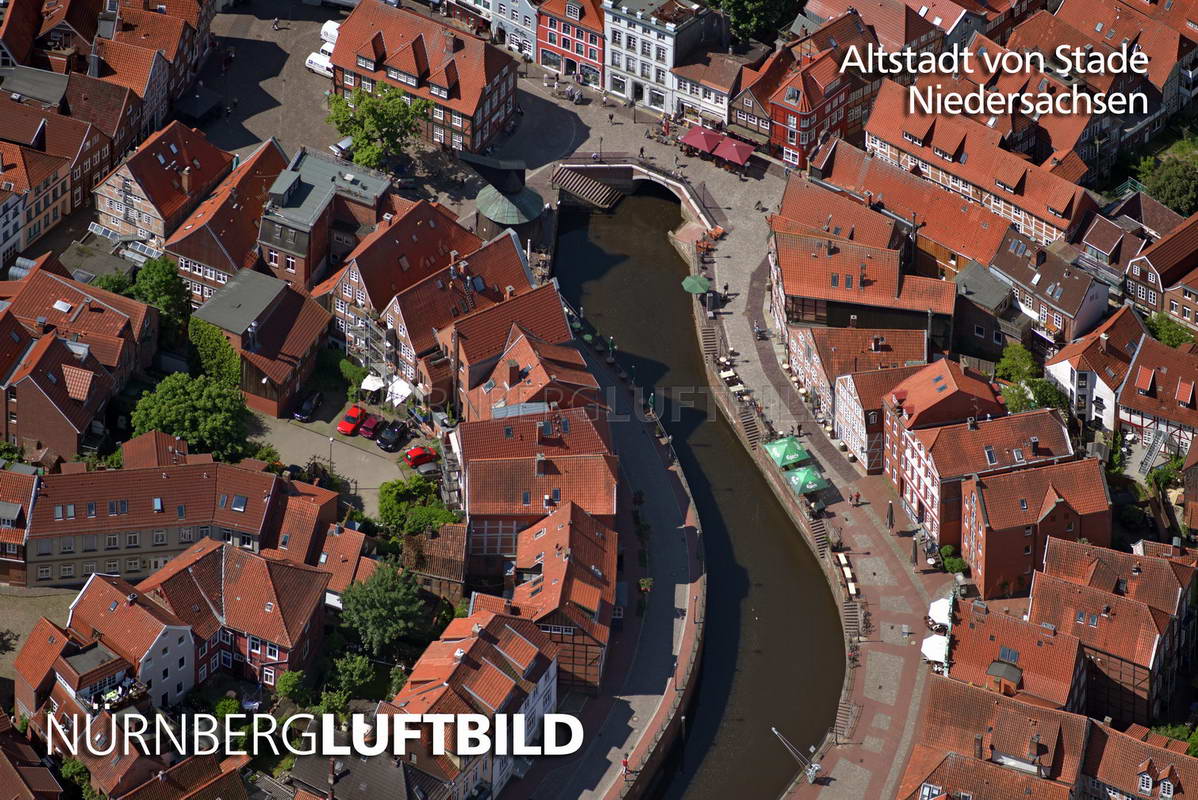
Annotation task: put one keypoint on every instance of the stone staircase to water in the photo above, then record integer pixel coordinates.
(584, 187)
(748, 422)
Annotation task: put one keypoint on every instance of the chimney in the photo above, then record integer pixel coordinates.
(332, 775)
(161, 775)
(130, 599)
(875, 344)
(476, 629)
(1102, 338)
(977, 746)
(972, 422)
(185, 180)
(1033, 747)
(93, 64)
(1136, 569)
(459, 654)
(852, 320)
(541, 463)
(448, 42)
(1034, 445)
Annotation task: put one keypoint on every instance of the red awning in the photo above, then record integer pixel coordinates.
(1185, 392)
(702, 139)
(735, 151)
(1144, 379)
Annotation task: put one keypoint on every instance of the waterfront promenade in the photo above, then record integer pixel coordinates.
(888, 684)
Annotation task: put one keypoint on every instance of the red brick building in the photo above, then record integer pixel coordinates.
(532, 371)
(1008, 518)
(818, 356)
(470, 83)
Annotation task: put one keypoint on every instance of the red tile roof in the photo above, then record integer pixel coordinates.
(1024, 497)
(434, 52)
(812, 208)
(1046, 660)
(1164, 46)
(1159, 370)
(223, 230)
(408, 248)
(531, 370)
(109, 324)
(864, 275)
(128, 65)
(998, 443)
(591, 18)
(21, 23)
(268, 598)
(44, 644)
(1123, 627)
(48, 365)
(1161, 583)
(846, 350)
(153, 449)
(285, 338)
(969, 229)
(954, 712)
(874, 385)
(343, 556)
(62, 136)
(945, 392)
(128, 621)
(1037, 191)
(434, 302)
(25, 167)
(152, 30)
(440, 553)
(195, 778)
(1107, 351)
(574, 431)
(1051, 279)
(958, 775)
(102, 103)
(485, 333)
(499, 486)
(895, 25)
(157, 163)
(81, 16)
(1118, 760)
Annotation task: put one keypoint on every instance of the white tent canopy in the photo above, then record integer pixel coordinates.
(398, 391)
(935, 648)
(941, 611)
(372, 383)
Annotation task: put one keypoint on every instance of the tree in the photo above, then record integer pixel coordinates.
(353, 671)
(399, 677)
(333, 701)
(382, 609)
(1046, 394)
(381, 122)
(1174, 182)
(209, 415)
(226, 706)
(1167, 475)
(353, 375)
(1168, 331)
(749, 18)
(290, 684)
(1016, 364)
(115, 282)
(158, 283)
(412, 506)
(217, 357)
(76, 772)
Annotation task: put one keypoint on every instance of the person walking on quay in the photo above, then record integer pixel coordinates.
(642, 152)
(611, 119)
(274, 24)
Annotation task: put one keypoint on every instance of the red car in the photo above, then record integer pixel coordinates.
(352, 421)
(420, 455)
(370, 426)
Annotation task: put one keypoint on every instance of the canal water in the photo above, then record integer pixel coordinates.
(773, 654)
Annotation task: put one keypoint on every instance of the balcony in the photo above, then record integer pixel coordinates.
(124, 694)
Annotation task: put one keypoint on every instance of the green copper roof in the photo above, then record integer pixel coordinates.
(524, 206)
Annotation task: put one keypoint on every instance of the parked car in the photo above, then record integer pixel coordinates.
(352, 420)
(343, 149)
(370, 426)
(430, 470)
(420, 455)
(308, 408)
(392, 436)
(320, 64)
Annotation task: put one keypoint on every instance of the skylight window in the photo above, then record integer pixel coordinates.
(158, 505)
(239, 502)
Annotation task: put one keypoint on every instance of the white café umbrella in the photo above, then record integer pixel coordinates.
(372, 383)
(935, 648)
(941, 611)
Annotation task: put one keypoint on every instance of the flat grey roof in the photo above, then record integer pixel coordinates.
(42, 84)
(93, 260)
(90, 658)
(979, 285)
(9, 510)
(23, 469)
(316, 177)
(240, 301)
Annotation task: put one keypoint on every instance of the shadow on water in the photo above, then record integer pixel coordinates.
(773, 654)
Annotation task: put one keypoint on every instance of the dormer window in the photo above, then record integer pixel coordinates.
(1166, 789)
(1145, 783)
(573, 11)
(438, 91)
(910, 137)
(1005, 187)
(947, 156)
(366, 63)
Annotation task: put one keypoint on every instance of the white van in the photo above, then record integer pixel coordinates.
(329, 31)
(320, 64)
(326, 49)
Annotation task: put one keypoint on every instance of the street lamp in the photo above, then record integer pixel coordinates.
(600, 148)
(331, 454)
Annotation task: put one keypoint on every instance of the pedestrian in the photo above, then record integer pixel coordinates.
(624, 763)
(234, 102)
(642, 151)
(274, 24)
(725, 290)
(611, 119)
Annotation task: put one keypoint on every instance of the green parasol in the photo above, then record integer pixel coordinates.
(696, 284)
(786, 452)
(805, 480)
